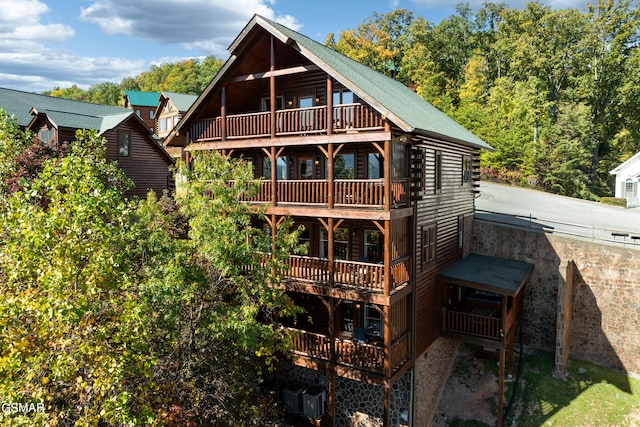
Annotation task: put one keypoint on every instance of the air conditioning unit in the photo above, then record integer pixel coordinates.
(314, 402)
(292, 399)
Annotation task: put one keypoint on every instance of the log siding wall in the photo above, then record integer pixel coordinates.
(447, 209)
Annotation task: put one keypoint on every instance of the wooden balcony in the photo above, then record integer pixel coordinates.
(356, 193)
(361, 276)
(289, 122)
(478, 323)
(352, 354)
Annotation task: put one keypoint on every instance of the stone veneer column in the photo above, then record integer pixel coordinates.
(565, 311)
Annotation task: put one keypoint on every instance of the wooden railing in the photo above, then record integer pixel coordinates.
(308, 268)
(400, 272)
(472, 324)
(400, 351)
(360, 355)
(310, 344)
(367, 192)
(362, 275)
(256, 124)
(303, 191)
(295, 121)
(348, 192)
(350, 353)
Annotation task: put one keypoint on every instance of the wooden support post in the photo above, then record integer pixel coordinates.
(223, 114)
(512, 344)
(330, 252)
(386, 422)
(330, 179)
(329, 105)
(387, 258)
(331, 366)
(274, 176)
(272, 88)
(501, 387)
(387, 170)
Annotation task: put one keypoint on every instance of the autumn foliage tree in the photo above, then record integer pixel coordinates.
(124, 312)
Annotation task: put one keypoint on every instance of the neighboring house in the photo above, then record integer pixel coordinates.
(171, 108)
(129, 140)
(144, 104)
(383, 184)
(628, 181)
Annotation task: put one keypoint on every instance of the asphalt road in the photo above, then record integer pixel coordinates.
(557, 214)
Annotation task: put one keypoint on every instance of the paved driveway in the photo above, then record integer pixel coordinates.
(557, 214)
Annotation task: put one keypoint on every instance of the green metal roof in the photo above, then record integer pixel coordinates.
(397, 102)
(500, 275)
(143, 99)
(61, 111)
(181, 101)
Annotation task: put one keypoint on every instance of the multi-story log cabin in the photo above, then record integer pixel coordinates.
(383, 184)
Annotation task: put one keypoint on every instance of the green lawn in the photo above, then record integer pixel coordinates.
(590, 396)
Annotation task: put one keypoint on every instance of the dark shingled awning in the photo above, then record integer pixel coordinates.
(493, 274)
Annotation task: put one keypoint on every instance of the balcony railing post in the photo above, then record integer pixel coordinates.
(329, 105)
(223, 114)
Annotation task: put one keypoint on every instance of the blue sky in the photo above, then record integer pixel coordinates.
(59, 43)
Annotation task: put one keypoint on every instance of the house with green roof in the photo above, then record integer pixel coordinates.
(144, 104)
(129, 140)
(171, 107)
(383, 185)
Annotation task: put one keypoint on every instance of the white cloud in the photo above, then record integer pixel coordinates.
(210, 25)
(39, 71)
(20, 22)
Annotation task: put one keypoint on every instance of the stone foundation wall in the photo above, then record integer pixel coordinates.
(358, 404)
(605, 322)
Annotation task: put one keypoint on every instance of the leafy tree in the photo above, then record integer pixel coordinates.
(119, 313)
(74, 337)
(221, 341)
(13, 141)
(379, 42)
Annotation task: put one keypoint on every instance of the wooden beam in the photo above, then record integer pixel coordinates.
(223, 114)
(275, 73)
(288, 141)
(294, 209)
(272, 89)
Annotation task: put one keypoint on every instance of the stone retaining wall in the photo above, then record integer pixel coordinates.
(605, 320)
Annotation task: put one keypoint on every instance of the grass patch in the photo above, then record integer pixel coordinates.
(590, 396)
(613, 201)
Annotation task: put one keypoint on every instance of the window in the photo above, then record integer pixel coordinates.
(46, 135)
(346, 317)
(161, 125)
(151, 114)
(342, 96)
(438, 172)
(460, 231)
(373, 246)
(343, 166)
(375, 166)
(400, 160)
(138, 113)
(306, 166)
(266, 103)
(340, 243)
(123, 144)
(372, 322)
(629, 189)
(467, 169)
(428, 244)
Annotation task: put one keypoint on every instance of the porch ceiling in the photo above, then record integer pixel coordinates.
(500, 275)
